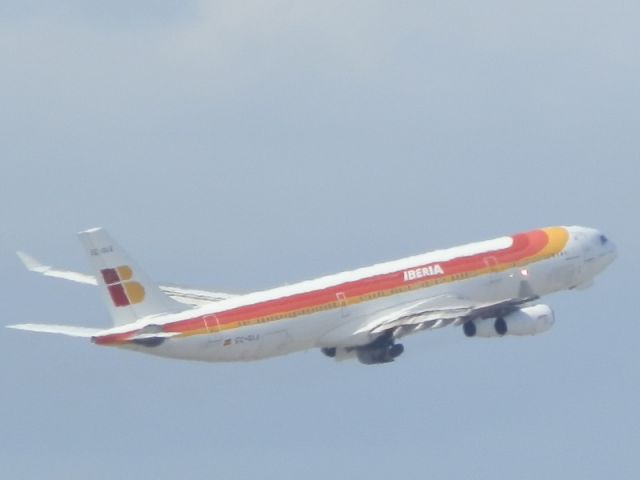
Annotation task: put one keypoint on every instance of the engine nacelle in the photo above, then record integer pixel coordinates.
(524, 321)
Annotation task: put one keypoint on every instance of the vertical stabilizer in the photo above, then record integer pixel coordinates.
(129, 293)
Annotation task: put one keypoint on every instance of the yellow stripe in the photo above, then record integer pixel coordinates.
(558, 239)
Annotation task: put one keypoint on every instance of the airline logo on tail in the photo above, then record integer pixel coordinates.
(123, 291)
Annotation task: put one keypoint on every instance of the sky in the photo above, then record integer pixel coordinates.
(243, 145)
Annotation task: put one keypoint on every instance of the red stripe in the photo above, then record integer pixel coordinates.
(524, 245)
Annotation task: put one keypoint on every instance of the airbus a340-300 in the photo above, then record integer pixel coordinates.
(489, 289)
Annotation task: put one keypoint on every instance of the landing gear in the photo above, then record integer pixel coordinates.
(382, 350)
(500, 325)
(396, 350)
(469, 329)
(329, 352)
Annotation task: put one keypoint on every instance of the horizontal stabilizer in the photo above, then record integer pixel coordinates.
(68, 330)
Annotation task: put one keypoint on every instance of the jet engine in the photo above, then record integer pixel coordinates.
(530, 320)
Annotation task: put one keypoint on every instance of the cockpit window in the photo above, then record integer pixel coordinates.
(603, 239)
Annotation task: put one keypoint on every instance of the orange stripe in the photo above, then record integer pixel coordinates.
(526, 248)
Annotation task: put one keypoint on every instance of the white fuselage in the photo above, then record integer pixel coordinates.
(340, 323)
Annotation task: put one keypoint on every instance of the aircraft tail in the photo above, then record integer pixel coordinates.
(129, 293)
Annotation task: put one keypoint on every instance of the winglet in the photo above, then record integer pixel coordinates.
(32, 263)
(187, 296)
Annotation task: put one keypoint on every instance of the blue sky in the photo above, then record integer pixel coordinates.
(243, 145)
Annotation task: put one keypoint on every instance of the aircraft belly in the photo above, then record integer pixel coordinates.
(380, 303)
(245, 343)
(338, 327)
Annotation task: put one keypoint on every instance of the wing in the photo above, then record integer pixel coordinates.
(71, 331)
(189, 296)
(441, 311)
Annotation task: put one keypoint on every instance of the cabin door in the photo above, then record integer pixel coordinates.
(342, 302)
(211, 323)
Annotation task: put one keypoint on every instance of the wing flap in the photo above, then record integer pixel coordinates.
(430, 309)
(441, 311)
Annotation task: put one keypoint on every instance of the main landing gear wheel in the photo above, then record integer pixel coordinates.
(396, 350)
(329, 352)
(501, 326)
(469, 328)
(382, 350)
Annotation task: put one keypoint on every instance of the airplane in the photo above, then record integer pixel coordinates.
(490, 289)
